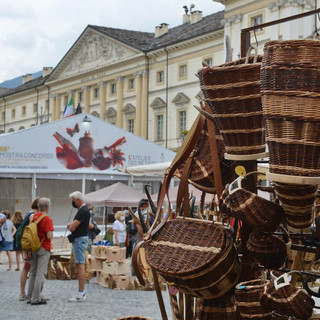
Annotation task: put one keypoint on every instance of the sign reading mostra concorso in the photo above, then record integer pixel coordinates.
(70, 144)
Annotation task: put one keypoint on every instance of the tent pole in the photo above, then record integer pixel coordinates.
(83, 183)
(104, 221)
(34, 186)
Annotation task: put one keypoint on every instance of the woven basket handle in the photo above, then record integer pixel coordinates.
(237, 183)
(283, 280)
(184, 151)
(255, 55)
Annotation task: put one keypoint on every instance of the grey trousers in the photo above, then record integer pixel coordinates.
(39, 266)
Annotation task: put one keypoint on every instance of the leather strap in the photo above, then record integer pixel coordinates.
(214, 155)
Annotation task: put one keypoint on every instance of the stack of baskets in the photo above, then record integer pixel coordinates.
(232, 91)
(290, 92)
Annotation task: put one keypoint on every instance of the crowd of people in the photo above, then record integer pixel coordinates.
(128, 230)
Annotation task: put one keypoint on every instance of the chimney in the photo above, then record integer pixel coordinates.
(186, 18)
(46, 71)
(196, 16)
(26, 78)
(161, 30)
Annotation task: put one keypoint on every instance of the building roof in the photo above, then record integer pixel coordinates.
(146, 41)
(28, 85)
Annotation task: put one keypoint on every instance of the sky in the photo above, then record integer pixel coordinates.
(38, 33)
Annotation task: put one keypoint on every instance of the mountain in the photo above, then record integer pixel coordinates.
(15, 82)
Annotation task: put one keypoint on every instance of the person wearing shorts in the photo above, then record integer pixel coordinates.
(79, 236)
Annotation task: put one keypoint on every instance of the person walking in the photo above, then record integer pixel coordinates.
(17, 220)
(79, 237)
(27, 254)
(119, 230)
(40, 258)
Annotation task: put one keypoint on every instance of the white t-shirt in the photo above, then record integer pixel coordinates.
(1, 217)
(122, 234)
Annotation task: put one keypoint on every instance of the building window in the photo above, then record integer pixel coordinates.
(80, 96)
(113, 88)
(131, 84)
(131, 125)
(159, 127)
(256, 20)
(23, 112)
(160, 77)
(65, 100)
(208, 61)
(182, 71)
(96, 93)
(182, 122)
(13, 113)
(35, 108)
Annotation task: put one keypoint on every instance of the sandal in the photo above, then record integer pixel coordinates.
(18, 269)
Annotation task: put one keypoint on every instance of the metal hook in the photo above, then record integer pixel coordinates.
(255, 36)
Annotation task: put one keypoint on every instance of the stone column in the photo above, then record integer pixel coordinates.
(102, 96)
(58, 107)
(53, 107)
(86, 99)
(144, 106)
(119, 81)
(137, 122)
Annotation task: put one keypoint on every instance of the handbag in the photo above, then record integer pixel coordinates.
(71, 237)
(96, 229)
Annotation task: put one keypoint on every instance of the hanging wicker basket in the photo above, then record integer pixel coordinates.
(233, 93)
(248, 300)
(290, 78)
(198, 257)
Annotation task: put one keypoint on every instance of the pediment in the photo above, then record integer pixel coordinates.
(92, 50)
(180, 98)
(128, 108)
(110, 112)
(158, 103)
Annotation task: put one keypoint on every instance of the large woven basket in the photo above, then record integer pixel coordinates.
(297, 202)
(248, 300)
(199, 258)
(233, 93)
(261, 214)
(222, 308)
(290, 77)
(268, 249)
(287, 299)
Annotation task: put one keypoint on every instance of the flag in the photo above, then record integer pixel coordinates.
(69, 110)
(78, 110)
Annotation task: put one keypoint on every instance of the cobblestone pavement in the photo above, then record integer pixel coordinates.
(101, 304)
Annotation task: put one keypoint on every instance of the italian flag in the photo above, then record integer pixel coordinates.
(69, 109)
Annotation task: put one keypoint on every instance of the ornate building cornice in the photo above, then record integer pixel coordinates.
(233, 19)
(308, 4)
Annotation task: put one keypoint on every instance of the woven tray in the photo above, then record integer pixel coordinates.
(233, 93)
(198, 257)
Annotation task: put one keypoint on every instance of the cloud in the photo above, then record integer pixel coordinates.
(34, 33)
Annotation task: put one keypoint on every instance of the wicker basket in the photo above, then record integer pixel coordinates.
(297, 202)
(233, 93)
(261, 214)
(248, 300)
(223, 308)
(287, 299)
(290, 89)
(197, 256)
(201, 168)
(268, 249)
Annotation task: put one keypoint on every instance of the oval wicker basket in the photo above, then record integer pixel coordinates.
(233, 93)
(268, 249)
(287, 299)
(290, 90)
(222, 308)
(248, 300)
(297, 202)
(197, 256)
(261, 214)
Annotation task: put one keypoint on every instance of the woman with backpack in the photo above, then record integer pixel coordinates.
(17, 220)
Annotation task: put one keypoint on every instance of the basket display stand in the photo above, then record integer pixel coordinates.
(246, 157)
(293, 179)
